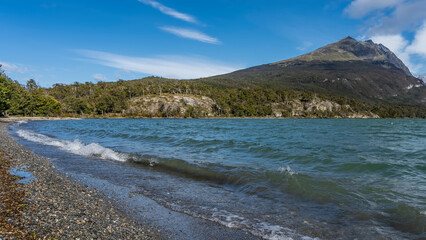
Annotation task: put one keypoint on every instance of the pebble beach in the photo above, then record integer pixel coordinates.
(56, 207)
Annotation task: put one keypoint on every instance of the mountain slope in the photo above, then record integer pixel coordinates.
(360, 70)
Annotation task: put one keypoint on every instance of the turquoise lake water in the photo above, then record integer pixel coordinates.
(277, 179)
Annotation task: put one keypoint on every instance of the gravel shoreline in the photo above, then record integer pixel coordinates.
(60, 208)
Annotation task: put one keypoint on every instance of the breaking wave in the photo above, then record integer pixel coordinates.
(21, 122)
(247, 180)
(287, 170)
(75, 147)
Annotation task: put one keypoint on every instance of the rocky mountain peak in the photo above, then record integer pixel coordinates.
(349, 49)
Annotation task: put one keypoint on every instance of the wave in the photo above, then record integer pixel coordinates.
(75, 147)
(246, 179)
(264, 182)
(21, 122)
(255, 226)
(253, 181)
(287, 170)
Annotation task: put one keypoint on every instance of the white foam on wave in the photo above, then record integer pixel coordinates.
(21, 122)
(287, 170)
(153, 162)
(255, 226)
(75, 147)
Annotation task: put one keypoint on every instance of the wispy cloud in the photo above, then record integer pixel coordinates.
(391, 16)
(99, 77)
(169, 11)
(166, 66)
(191, 34)
(13, 68)
(304, 46)
(360, 8)
(181, 32)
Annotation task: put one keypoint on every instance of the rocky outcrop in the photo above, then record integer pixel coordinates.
(317, 108)
(172, 105)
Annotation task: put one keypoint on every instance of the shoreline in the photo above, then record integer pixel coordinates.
(14, 119)
(57, 207)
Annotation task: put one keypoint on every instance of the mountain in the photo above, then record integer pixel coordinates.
(360, 70)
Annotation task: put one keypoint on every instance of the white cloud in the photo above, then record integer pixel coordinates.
(99, 77)
(13, 68)
(360, 8)
(166, 66)
(191, 34)
(419, 44)
(169, 11)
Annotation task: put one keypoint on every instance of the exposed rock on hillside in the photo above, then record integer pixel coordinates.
(317, 108)
(168, 105)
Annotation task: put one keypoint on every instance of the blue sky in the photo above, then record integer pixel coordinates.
(63, 41)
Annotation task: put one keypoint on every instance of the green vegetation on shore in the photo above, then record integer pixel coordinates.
(30, 100)
(230, 98)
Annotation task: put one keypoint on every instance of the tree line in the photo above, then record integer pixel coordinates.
(28, 100)
(110, 99)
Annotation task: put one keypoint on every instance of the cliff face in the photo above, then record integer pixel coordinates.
(185, 105)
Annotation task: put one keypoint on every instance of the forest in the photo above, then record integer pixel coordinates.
(231, 99)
